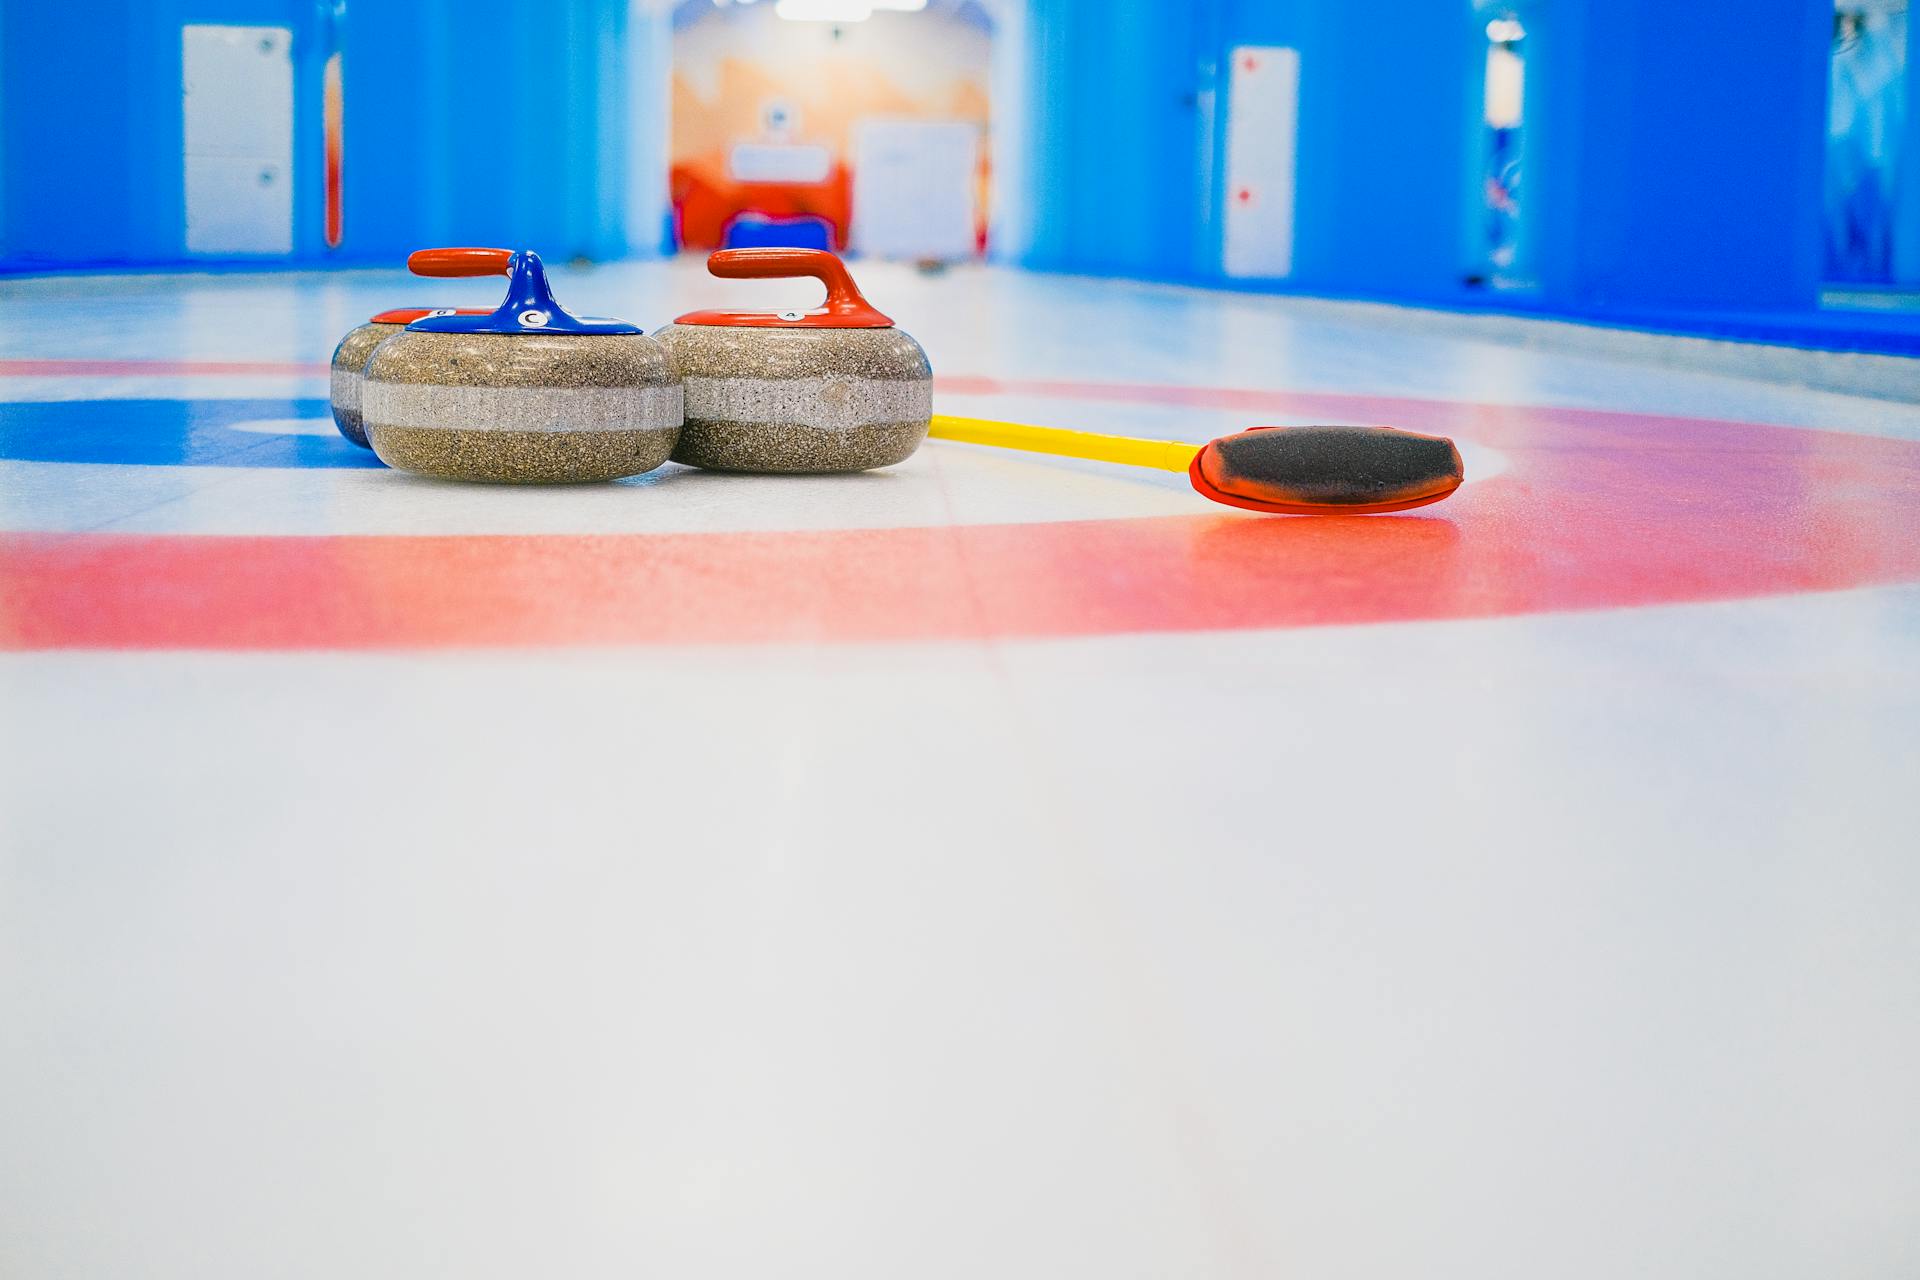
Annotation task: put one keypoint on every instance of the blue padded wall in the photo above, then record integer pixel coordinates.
(1680, 151)
(1130, 117)
(485, 121)
(1906, 254)
(465, 120)
(1387, 102)
(93, 133)
(1113, 138)
(1674, 152)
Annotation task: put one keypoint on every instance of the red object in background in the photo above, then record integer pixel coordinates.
(333, 113)
(705, 199)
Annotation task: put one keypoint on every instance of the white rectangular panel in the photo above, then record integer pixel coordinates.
(779, 162)
(914, 188)
(1263, 119)
(238, 207)
(237, 99)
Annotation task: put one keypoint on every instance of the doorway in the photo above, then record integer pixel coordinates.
(850, 125)
(1499, 242)
(1872, 192)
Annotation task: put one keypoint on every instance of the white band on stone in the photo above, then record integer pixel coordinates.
(422, 404)
(345, 390)
(830, 403)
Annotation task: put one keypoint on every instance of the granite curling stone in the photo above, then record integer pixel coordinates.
(350, 362)
(830, 390)
(350, 357)
(527, 394)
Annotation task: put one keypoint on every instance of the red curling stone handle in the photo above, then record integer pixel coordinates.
(844, 308)
(460, 262)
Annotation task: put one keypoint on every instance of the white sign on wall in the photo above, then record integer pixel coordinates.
(914, 188)
(779, 162)
(237, 96)
(1263, 129)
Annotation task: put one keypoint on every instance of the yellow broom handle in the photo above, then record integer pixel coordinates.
(1167, 455)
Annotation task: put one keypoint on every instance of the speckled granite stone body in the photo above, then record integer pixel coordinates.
(349, 365)
(799, 400)
(522, 408)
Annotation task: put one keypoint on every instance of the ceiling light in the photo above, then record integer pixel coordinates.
(825, 10)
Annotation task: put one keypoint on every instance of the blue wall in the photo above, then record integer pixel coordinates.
(1906, 252)
(1131, 116)
(471, 121)
(1680, 152)
(1114, 136)
(485, 121)
(91, 176)
(1386, 105)
(1674, 151)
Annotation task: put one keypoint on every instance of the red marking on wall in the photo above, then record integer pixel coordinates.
(1598, 510)
(333, 116)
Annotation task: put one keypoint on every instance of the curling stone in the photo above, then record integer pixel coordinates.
(833, 389)
(350, 357)
(350, 362)
(526, 394)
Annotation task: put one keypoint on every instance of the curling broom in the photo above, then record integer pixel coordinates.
(1293, 470)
